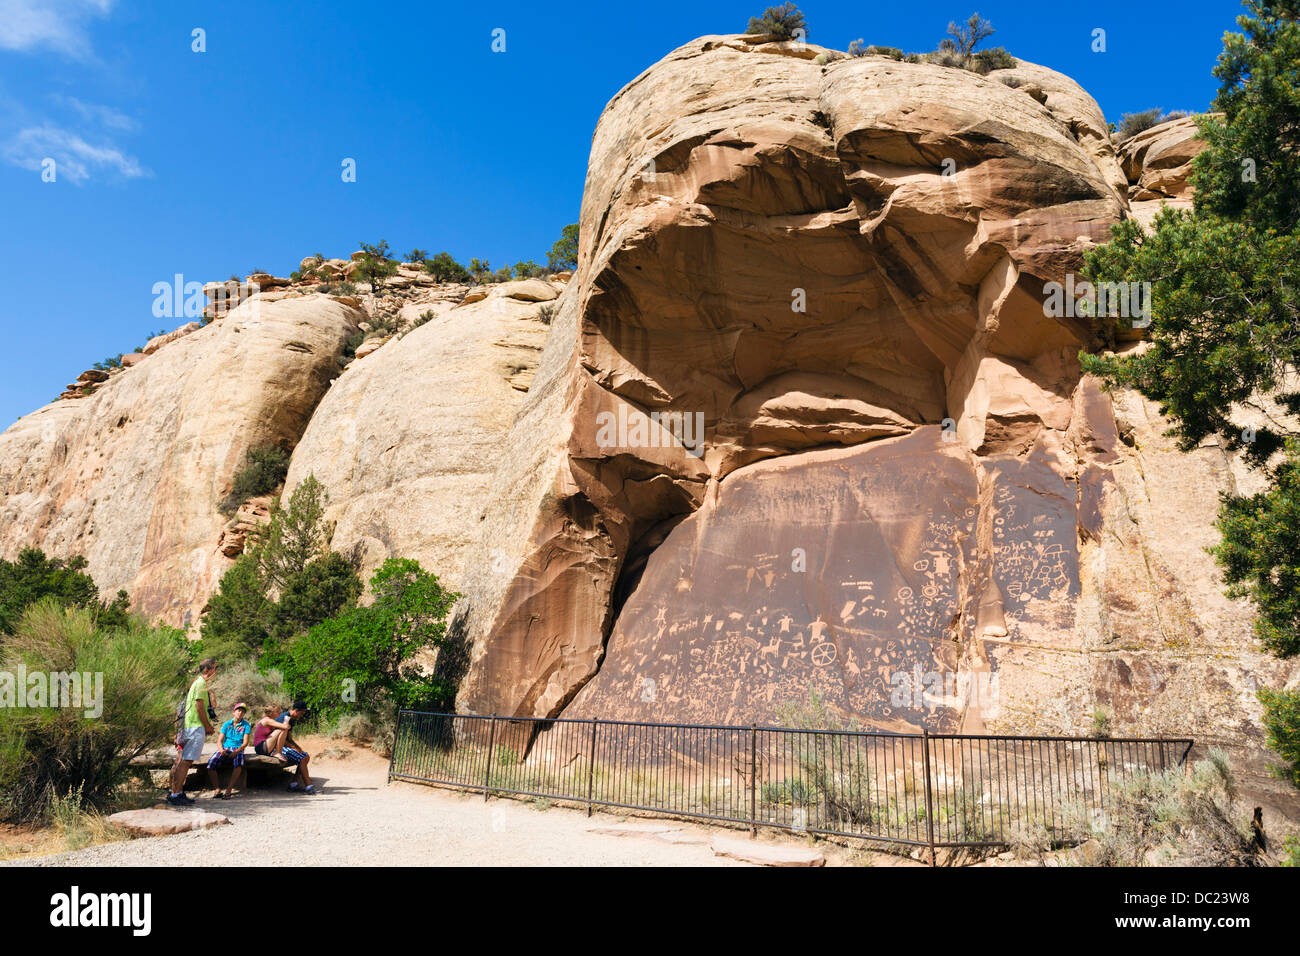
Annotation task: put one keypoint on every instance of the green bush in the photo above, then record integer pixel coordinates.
(957, 50)
(33, 576)
(446, 269)
(1282, 726)
(361, 659)
(240, 679)
(546, 314)
(563, 254)
(529, 270)
(1260, 553)
(320, 590)
(780, 21)
(264, 470)
(237, 619)
(285, 582)
(986, 61)
(347, 288)
(892, 52)
(1171, 818)
(52, 753)
(375, 266)
(1130, 124)
(1291, 852)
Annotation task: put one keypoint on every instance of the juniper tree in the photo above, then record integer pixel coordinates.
(1225, 321)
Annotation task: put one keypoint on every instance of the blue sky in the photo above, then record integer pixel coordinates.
(208, 164)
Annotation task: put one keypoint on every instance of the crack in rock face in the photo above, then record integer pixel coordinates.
(836, 276)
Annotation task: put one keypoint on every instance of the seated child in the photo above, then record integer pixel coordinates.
(233, 738)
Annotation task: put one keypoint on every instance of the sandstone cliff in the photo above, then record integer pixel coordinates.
(918, 212)
(131, 476)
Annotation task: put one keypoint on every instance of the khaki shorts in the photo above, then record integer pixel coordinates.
(192, 740)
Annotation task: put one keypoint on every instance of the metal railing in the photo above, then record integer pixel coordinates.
(928, 790)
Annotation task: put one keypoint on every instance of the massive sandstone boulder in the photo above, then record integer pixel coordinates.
(132, 475)
(913, 212)
(405, 441)
(902, 496)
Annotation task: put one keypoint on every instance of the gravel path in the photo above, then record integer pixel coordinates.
(359, 819)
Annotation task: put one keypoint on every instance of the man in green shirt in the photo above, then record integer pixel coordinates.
(193, 733)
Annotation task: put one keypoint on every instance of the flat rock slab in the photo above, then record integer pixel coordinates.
(683, 837)
(161, 821)
(634, 829)
(765, 854)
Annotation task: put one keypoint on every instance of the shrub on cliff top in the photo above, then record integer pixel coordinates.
(1131, 124)
(783, 21)
(965, 37)
(564, 253)
(957, 49)
(375, 266)
(446, 269)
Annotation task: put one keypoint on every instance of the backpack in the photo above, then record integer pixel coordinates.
(178, 720)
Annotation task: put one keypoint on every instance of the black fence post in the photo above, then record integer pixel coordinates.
(929, 800)
(591, 764)
(487, 769)
(753, 781)
(397, 742)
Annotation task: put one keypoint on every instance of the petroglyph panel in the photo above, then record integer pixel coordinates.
(851, 572)
(835, 571)
(1035, 549)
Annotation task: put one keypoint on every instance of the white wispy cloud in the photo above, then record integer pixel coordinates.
(75, 159)
(58, 25)
(104, 116)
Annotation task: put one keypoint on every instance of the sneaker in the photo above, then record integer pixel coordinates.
(295, 787)
(309, 789)
(178, 800)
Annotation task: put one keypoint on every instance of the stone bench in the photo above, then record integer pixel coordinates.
(259, 771)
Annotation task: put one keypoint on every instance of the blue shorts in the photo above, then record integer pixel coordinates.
(223, 757)
(293, 756)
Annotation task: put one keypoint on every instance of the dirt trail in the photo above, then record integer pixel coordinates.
(359, 819)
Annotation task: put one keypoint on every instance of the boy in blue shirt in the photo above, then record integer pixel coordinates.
(233, 738)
